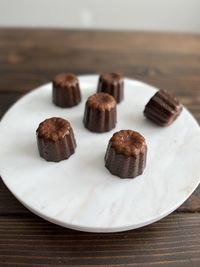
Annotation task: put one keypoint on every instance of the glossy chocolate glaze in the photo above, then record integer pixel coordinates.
(126, 154)
(163, 108)
(66, 90)
(113, 84)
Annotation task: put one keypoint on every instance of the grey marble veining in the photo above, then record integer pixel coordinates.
(79, 192)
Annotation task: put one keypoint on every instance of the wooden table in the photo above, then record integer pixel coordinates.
(29, 58)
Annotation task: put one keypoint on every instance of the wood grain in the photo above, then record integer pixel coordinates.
(32, 57)
(29, 58)
(174, 241)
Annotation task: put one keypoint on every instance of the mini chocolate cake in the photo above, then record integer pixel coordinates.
(113, 84)
(55, 139)
(163, 108)
(100, 113)
(66, 91)
(126, 154)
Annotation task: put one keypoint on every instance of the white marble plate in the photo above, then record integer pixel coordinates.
(80, 193)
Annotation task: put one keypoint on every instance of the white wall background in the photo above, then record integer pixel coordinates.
(162, 15)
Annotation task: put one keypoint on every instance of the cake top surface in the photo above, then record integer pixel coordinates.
(111, 78)
(53, 129)
(128, 142)
(64, 80)
(101, 101)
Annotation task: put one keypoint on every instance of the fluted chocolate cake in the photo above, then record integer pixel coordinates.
(66, 90)
(113, 84)
(163, 108)
(100, 113)
(126, 154)
(55, 139)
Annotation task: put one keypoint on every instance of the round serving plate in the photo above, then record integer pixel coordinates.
(80, 193)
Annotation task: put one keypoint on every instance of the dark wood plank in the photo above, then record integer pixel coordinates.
(9, 205)
(33, 57)
(174, 241)
(29, 58)
(192, 204)
(6, 100)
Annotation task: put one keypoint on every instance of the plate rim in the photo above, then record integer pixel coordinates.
(80, 227)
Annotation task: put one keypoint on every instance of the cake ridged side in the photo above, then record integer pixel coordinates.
(125, 167)
(59, 150)
(68, 97)
(162, 109)
(97, 120)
